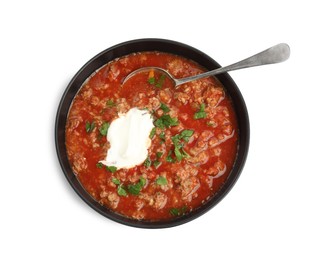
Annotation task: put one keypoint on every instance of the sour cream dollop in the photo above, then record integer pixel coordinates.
(129, 140)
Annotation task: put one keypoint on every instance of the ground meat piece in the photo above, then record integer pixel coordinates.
(186, 88)
(189, 187)
(183, 173)
(165, 95)
(159, 113)
(87, 93)
(183, 116)
(122, 105)
(213, 141)
(227, 129)
(178, 128)
(197, 92)
(138, 215)
(174, 112)
(139, 204)
(95, 101)
(114, 71)
(154, 103)
(200, 158)
(135, 177)
(218, 169)
(140, 100)
(79, 162)
(213, 96)
(206, 135)
(113, 199)
(104, 194)
(148, 198)
(201, 143)
(197, 149)
(216, 151)
(73, 123)
(160, 200)
(175, 67)
(184, 98)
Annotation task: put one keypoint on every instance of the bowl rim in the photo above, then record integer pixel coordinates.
(133, 46)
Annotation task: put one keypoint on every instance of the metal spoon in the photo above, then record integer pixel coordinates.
(275, 54)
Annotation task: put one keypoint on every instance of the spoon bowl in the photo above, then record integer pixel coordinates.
(277, 53)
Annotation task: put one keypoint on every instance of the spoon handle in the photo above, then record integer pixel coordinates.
(275, 54)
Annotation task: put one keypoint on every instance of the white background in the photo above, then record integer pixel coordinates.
(279, 208)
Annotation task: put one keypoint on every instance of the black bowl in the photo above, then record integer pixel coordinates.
(139, 46)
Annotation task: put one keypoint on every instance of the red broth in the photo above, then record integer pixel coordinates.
(184, 169)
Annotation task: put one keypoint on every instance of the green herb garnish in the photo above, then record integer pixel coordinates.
(201, 113)
(116, 181)
(121, 191)
(136, 188)
(110, 103)
(156, 163)
(104, 128)
(159, 154)
(178, 211)
(179, 152)
(161, 81)
(164, 108)
(152, 133)
(147, 162)
(99, 165)
(166, 121)
(89, 126)
(151, 80)
(186, 134)
(162, 136)
(161, 180)
(169, 157)
(111, 168)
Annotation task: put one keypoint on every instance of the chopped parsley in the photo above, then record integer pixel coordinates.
(152, 133)
(110, 103)
(104, 128)
(152, 80)
(178, 211)
(121, 191)
(161, 81)
(169, 157)
(159, 154)
(120, 188)
(89, 126)
(111, 168)
(162, 136)
(136, 188)
(179, 152)
(99, 165)
(147, 163)
(164, 108)
(166, 121)
(156, 163)
(201, 113)
(161, 180)
(186, 134)
(116, 181)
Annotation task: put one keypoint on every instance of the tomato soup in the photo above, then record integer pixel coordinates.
(192, 145)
